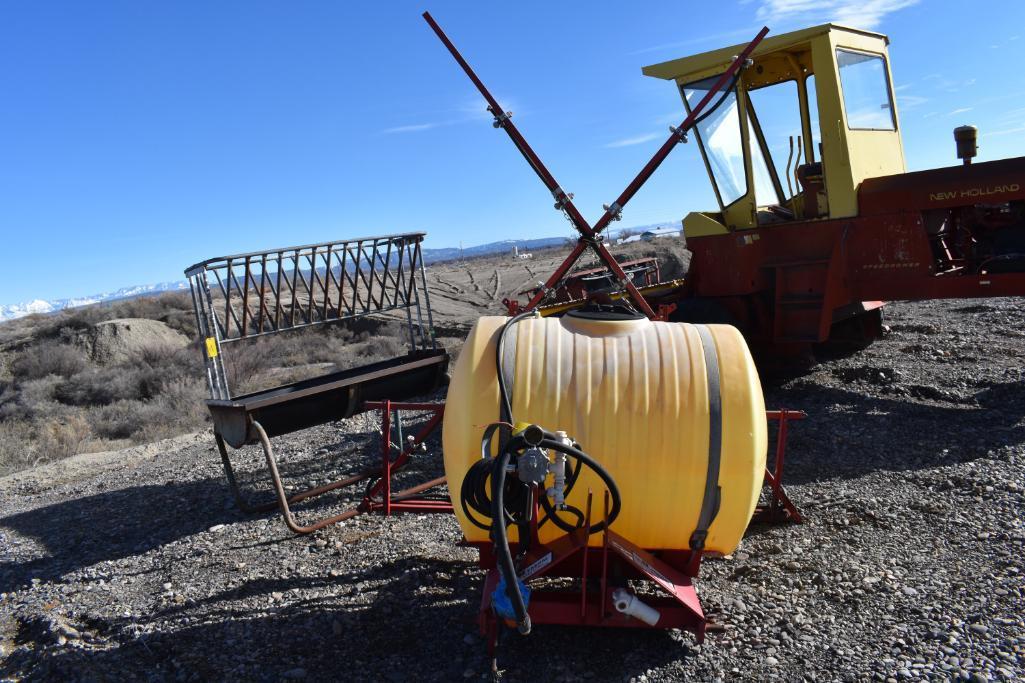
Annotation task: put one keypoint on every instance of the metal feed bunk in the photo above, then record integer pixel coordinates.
(259, 294)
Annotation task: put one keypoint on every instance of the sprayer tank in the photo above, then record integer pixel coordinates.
(635, 394)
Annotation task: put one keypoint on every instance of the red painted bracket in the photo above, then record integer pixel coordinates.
(779, 508)
(570, 556)
(380, 497)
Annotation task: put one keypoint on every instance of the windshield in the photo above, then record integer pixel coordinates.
(719, 136)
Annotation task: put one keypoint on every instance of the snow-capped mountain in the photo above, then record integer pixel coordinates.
(12, 311)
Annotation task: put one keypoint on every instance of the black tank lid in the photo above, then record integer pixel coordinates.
(607, 312)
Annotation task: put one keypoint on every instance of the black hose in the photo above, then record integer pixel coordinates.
(550, 441)
(506, 565)
(501, 537)
(518, 506)
(722, 98)
(553, 515)
(550, 511)
(474, 495)
(505, 404)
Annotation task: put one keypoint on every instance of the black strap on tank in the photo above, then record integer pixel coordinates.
(713, 492)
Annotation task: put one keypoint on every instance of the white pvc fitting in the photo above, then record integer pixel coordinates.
(630, 605)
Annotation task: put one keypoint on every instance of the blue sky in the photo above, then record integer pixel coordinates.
(138, 138)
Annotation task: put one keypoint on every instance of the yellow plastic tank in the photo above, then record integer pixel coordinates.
(635, 395)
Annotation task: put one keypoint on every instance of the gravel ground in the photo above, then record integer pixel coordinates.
(136, 566)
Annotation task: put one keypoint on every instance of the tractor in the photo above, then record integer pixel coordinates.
(815, 231)
(821, 224)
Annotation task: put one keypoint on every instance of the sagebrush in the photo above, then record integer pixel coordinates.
(55, 401)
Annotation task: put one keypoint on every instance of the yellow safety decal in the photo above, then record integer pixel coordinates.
(211, 347)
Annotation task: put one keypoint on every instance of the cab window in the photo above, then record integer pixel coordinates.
(866, 90)
(777, 110)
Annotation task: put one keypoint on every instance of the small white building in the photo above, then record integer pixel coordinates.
(655, 233)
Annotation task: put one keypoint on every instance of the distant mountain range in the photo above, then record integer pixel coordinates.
(12, 311)
(453, 253)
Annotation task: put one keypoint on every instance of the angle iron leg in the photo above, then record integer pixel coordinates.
(229, 472)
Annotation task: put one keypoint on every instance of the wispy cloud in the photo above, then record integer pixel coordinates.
(476, 109)
(907, 102)
(675, 117)
(941, 82)
(712, 39)
(959, 110)
(1012, 114)
(412, 128)
(626, 142)
(1005, 131)
(866, 14)
(470, 111)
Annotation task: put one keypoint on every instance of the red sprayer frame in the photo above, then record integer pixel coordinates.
(591, 236)
(380, 498)
(779, 508)
(672, 572)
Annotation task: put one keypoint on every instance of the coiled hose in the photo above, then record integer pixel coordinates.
(475, 492)
(500, 508)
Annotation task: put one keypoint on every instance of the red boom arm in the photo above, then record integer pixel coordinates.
(590, 236)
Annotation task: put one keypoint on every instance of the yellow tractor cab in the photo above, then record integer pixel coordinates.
(810, 116)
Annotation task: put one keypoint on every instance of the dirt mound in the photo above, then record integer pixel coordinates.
(672, 254)
(121, 339)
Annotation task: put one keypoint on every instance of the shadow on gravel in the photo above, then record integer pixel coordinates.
(106, 526)
(408, 619)
(110, 525)
(115, 524)
(849, 434)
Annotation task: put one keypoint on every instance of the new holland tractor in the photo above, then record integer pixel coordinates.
(815, 231)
